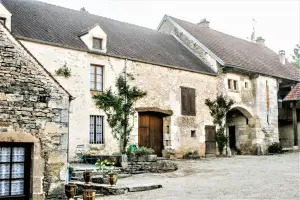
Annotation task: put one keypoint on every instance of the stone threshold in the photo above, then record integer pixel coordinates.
(105, 189)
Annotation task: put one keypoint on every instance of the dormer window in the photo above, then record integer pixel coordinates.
(2, 20)
(97, 43)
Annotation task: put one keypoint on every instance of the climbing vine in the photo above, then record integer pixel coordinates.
(119, 107)
(218, 110)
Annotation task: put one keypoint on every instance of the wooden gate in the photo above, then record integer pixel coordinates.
(151, 131)
(210, 140)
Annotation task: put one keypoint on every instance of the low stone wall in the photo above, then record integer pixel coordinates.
(159, 166)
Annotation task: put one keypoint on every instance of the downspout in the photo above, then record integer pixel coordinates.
(68, 143)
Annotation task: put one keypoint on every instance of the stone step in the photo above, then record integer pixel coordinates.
(115, 190)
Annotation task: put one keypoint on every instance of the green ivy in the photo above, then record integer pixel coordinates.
(218, 110)
(119, 107)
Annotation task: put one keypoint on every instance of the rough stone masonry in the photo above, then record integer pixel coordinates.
(34, 109)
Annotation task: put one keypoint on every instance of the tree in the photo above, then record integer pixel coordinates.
(296, 56)
(119, 107)
(218, 110)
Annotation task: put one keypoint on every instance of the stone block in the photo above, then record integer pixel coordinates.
(2, 97)
(14, 97)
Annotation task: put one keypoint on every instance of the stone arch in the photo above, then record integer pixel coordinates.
(244, 110)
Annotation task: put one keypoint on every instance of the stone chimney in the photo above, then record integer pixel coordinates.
(204, 23)
(260, 40)
(282, 57)
(83, 10)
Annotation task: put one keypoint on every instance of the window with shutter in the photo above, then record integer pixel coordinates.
(188, 102)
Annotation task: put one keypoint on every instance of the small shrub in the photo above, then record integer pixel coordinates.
(64, 71)
(275, 148)
(142, 151)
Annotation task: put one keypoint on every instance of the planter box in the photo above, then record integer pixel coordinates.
(151, 158)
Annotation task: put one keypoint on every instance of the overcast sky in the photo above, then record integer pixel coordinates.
(277, 21)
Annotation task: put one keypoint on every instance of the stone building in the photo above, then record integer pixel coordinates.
(34, 110)
(179, 66)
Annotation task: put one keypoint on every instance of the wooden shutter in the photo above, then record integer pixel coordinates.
(192, 100)
(185, 107)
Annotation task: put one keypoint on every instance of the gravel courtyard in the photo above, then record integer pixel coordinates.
(239, 177)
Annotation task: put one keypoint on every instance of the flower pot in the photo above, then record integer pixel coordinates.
(70, 190)
(151, 158)
(141, 159)
(87, 175)
(112, 178)
(89, 194)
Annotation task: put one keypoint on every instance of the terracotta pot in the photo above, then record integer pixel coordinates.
(70, 190)
(89, 194)
(87, 175)
(112, 178)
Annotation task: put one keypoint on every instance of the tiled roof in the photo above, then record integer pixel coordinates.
(241, 53)
(62, 26)
(294, 94)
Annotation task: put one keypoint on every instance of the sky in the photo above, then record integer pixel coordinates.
(277, 21)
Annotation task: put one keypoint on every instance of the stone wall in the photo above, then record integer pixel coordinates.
(34, 109)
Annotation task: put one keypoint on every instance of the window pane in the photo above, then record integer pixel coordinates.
(5, 154)
(17, 187)
(92, 85)
(4, 188)
(18, 154)
(92, 69)
(99, 70)
(18, 170)
(4, 171)
(99, 134)
(99, 86)
(92, 129)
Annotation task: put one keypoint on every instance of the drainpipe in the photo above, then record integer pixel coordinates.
(68, 143)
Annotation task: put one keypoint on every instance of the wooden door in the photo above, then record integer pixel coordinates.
(210, 140)
(151, 131)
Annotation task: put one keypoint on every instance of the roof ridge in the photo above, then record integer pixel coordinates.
(220, 32)
(88, 13)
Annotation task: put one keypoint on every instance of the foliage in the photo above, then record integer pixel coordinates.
(296, 56)
(119, 106)
(218, 110)
(142, 151)
(275, 148)
(64, 71)
(105, 166)
(71, 169)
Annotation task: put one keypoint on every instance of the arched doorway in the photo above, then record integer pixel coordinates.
(239, 130)
(151, 131)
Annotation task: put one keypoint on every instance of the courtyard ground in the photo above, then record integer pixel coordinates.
(239, 177)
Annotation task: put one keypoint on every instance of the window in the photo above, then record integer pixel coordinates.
(188, 103)
(97, 43)
(229, 84)
(2, 20)
(14, 170)
(246, 85)
(96, 129)
(96, 78)
(235, 85)
(193, 133)
(232, 85)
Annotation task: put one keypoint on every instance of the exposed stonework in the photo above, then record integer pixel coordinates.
(34, 109)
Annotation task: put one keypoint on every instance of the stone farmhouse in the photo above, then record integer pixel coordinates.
(179, 65)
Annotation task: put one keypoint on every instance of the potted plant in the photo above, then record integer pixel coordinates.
(70, 170)
(87, 175)
(70, 190)
(112, 176)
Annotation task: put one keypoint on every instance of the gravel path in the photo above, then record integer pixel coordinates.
(239, 177)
